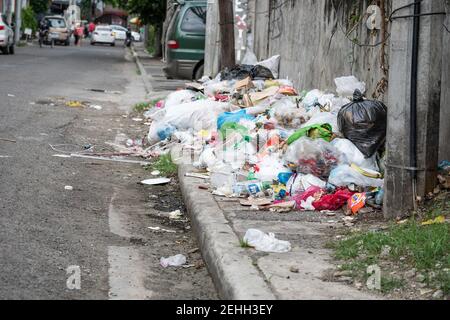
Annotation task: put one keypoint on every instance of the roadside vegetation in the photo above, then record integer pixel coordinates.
(164, 165)
(414, 254)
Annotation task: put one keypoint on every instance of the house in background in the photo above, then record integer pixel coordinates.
(111, 15)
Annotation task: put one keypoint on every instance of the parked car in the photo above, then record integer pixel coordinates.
(103, 34)
(59, 29)
(136, 36)
(6, 36)
(120, 33)
(185, 41)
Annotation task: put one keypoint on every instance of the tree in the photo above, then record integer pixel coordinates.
(40, 6)
(149, 12)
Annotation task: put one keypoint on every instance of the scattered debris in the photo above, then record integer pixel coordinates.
(157, 181)
(175, 215)
(161, 229)
(265, 242)
(95, 106)
(173, 261)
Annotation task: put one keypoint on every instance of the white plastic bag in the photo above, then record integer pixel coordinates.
(173, 261)
(266, 242)
(344, 175)
(249, 58)
(299, 183)
(287, 114)
(180, 97)
(323, 117)
(273, 64)
(270, 167)
(345, 86)
(353, 155)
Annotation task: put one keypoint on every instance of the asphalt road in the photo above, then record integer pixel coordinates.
(102, 225)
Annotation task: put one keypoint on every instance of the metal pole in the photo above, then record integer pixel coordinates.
(18, 21)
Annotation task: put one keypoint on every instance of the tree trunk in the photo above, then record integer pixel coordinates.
(158, 40)
(227, 58)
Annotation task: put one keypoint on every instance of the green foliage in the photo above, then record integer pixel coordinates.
(165, 165)
(29, 19)
(40, 6)
(426, 248)
(149, 11)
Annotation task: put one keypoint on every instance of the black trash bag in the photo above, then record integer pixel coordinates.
(363, 122)
(242, 71)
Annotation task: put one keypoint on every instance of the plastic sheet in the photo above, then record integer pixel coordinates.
(363, 122)
(344, 175)
(299, 183)
(266, 242)
(236, 116)
(346, 86)
(353, 155)
(273, 64)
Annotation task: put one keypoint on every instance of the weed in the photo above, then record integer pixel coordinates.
(243, 243)
(165, 165)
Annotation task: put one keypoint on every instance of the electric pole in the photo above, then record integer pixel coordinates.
(18, 21)
(226, 18)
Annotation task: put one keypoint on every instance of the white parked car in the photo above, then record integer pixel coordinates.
(136, 36)
(120, 32)
(6, 36)
(103, 34)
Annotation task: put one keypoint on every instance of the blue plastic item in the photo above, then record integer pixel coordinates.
(227, 117)
(283, 177)
(166, 132)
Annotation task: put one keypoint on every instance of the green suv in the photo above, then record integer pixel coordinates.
(185, 42)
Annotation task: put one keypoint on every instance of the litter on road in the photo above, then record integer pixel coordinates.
(156, 181)
(173, 261)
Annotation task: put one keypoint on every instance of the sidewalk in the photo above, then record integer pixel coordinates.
(151, 70)
(304, 273)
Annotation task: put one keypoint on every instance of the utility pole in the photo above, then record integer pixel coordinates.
(414, 103)
(226, 18)
(18, 21)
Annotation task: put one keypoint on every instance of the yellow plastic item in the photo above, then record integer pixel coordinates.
(440, 219)
(74, 104)
(366, 172)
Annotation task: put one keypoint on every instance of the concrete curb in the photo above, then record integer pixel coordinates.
(148, 86)
(233, 273)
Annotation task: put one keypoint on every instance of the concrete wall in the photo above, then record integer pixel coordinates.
(310, 36)
(316, 43)
(444, 131)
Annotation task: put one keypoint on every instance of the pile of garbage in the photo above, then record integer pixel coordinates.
(261, 139)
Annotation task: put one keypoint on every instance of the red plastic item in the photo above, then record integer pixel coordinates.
(333, 201)
(313, 191)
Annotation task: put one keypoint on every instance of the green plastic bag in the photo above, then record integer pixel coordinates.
(324, 131)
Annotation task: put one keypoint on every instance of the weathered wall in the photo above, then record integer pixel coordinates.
(315, 39)
(444, 131)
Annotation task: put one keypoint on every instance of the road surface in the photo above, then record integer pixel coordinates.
(100, 227)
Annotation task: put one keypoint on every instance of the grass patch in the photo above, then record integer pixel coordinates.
(426, 248)
(143, 106)
(165, 165)
(244, 244)
(390, 283)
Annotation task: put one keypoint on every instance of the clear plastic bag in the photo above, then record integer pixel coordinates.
(316, 157)
(345, 86)
(353, 155)
(344, 175)
(266, 242)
